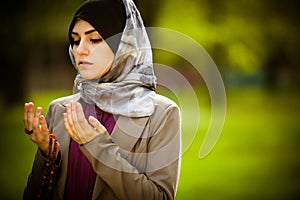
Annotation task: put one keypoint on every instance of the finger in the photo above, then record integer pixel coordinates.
(67, 125)
(43, 123)
(43, 134)
(36, 122)
(72, 119)
(73, 112)
(81, 124)
(25, 114)
(97, 125)
(69, 117)
(70, 130)
(79, 111)
(30, 115)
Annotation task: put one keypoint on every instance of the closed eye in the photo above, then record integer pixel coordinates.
(76, 42)
(96, 40)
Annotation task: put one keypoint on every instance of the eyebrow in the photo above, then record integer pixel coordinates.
(86, 33)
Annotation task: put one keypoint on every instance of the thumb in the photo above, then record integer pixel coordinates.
(97, 125)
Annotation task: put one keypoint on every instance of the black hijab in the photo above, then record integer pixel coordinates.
(108, 17)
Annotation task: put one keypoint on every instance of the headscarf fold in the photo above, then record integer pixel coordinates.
(128, 88)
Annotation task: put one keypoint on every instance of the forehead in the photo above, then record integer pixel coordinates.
(82, 26)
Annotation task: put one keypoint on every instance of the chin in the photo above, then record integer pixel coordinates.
(89, 76)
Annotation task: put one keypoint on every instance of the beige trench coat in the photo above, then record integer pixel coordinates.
(142, 162)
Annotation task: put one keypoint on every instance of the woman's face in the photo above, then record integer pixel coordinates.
(92, 54)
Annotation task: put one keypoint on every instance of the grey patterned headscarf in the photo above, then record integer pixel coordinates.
(128, 88)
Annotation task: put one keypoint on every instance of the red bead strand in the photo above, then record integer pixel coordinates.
(49, 172)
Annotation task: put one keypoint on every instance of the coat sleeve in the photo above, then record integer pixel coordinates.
(159, 180)
(38, 168)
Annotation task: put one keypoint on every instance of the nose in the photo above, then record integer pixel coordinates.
(82, 48)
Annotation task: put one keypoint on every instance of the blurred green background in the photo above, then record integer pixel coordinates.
(255, 45)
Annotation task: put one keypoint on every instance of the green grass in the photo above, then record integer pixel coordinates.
(256, 156)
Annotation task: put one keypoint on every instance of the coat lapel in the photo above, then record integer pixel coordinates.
(125, 133)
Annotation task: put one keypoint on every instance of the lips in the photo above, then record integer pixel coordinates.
(84, 63)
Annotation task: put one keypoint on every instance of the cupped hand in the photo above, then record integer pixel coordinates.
(37, 123)
(81, 130)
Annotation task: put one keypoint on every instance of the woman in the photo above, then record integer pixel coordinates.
(115, 138)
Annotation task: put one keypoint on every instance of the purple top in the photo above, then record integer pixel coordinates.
(81, 176)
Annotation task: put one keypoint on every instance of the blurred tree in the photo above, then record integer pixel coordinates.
(45, 32)
(242, 35)
(13, 54)
(34, 36)
(246, 35)
(149, 10)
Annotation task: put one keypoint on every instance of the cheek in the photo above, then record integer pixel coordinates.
(75, 55)
(102, 56)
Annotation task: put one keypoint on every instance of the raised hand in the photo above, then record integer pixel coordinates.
(81, 130)
(36, 127)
